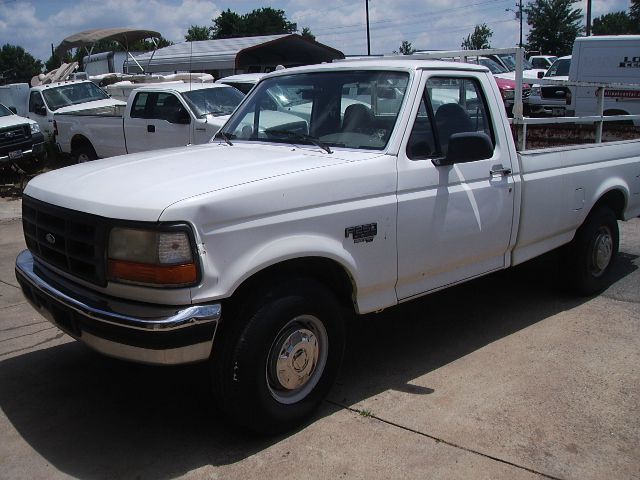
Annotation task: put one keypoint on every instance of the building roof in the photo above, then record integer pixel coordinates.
(232, 53)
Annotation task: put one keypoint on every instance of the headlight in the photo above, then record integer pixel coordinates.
(149, 257)
(35, 128)
(508, 94)
(536, 91)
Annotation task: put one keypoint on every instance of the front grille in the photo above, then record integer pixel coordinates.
(14, 137)
(69, 240)
(555, 93)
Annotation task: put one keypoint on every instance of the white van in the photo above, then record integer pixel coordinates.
(606, 59)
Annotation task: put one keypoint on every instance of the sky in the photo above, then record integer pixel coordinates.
(341, 24)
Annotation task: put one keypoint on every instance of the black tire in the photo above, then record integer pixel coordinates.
(589, 257)
(264, 386)
(84, 153)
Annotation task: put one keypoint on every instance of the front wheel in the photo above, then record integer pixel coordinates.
(279, 356)
(590, 255)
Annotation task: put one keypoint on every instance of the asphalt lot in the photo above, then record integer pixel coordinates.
(506, 377)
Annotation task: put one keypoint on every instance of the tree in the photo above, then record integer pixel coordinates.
(306, 33)
(17, 65)
(405, 48)
(554, 26)
(197, 33)
(54, 62)
(616, 23)
(634, 16)
(262, 21)
(634, 10)
(479, 39)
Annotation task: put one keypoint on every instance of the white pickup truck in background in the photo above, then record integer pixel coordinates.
(154, 117)
(42, 102)
(251, 252)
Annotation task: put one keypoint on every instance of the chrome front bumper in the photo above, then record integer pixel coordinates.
(129, 330)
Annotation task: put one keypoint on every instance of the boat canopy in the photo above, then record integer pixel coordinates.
(124, 36)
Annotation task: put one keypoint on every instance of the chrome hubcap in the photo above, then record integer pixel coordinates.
(602, 251)
(297, 359)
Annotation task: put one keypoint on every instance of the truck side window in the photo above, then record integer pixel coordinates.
(421, 144)
(138, 109)
(168, 108)
(36, 103)
(459, 106)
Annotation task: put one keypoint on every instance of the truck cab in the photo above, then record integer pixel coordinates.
(46, 100)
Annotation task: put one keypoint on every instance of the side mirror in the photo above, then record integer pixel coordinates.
(13, 109)
(466, 147)
(40, 110)
(540, 74)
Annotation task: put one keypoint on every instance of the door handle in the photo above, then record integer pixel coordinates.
(500, 171)
(151, 128)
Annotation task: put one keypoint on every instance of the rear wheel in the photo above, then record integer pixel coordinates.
(590, 255)
(84, 153)
(279, 355)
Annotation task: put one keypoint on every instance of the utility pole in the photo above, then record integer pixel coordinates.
(588, 29)
(518, 13)
(366, 3)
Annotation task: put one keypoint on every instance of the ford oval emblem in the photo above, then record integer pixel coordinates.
(50, 238)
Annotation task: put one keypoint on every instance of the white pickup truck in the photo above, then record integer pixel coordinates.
(42, 102)
(154, 117)
(250, 252)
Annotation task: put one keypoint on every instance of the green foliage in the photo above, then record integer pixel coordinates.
(554, 26)
(197, 33)
(616, 23)
(479, 39)
(306, 33)
(17, 65)
(54, 62)
(262, 21)
(634, 14)
(406, 48)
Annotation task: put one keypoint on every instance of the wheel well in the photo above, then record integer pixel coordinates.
(324, 270)
(613, 199)
(612, 112)
(78, 141)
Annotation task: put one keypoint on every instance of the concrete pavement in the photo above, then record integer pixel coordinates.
(506, 377)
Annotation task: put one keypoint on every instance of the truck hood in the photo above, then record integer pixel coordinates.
(11, 120)
(107, 102)
(140, 186)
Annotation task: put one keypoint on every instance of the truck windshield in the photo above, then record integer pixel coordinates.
(509, 61)
(4, 111)
(213, 101)
(351, 109)
(560, 68)
(72, 94)
(494, 67)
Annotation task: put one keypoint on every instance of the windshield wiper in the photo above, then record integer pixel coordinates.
(302, 136)
(221, 134)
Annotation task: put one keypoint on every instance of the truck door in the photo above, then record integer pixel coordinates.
(156, 120)
(454, 220)
(38, 113)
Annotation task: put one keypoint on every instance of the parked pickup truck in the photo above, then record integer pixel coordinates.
(251, 251)
(42, 102)
(21, 142)
(154, 117)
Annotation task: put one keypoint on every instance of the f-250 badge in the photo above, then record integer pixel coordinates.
(362, 233)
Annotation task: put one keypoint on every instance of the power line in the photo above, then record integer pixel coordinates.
(423, 14)
(399, 22)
